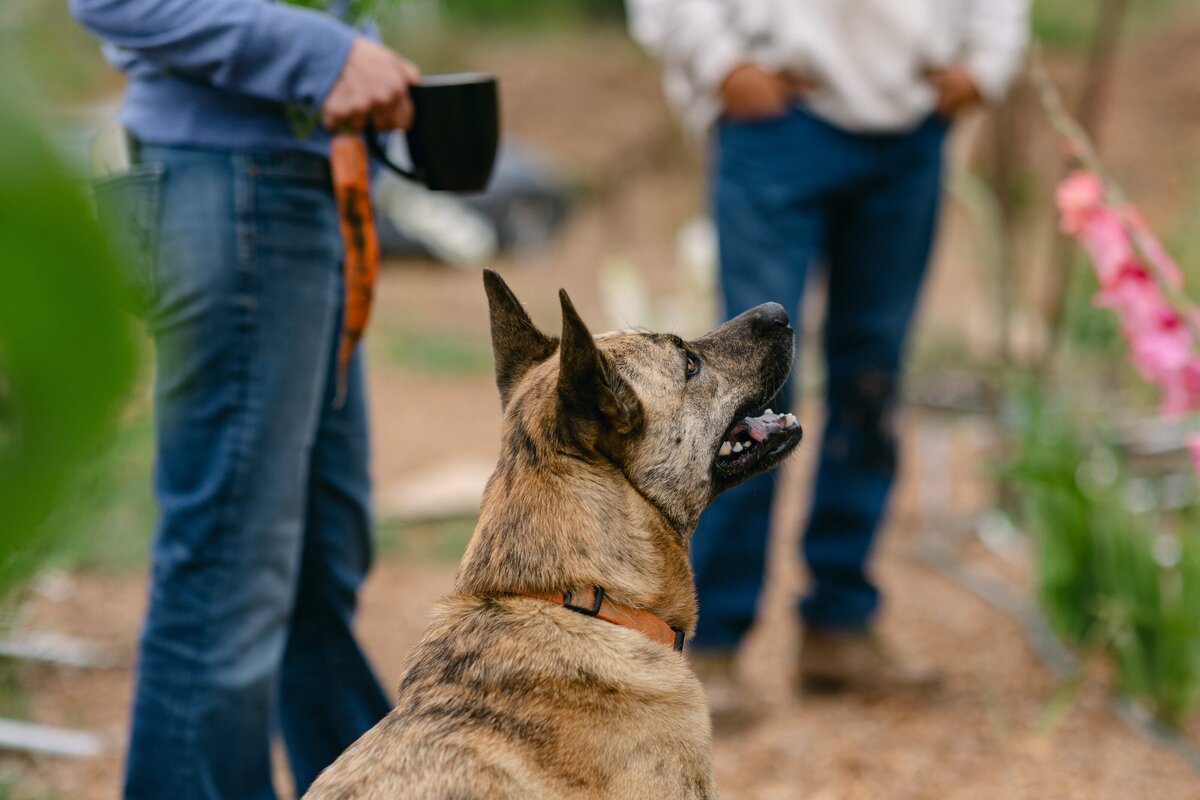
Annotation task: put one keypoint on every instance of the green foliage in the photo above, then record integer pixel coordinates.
(1115, 570)
(1070, 24)
(14, 703)
(1085, 325)
(490, 12)
(440, 541)
(1065, 24)
(431, 352)
(1058, 515)
(1152, 619)
(523, 12)
(66, 348)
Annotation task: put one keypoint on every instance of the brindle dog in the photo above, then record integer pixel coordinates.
(612, 446)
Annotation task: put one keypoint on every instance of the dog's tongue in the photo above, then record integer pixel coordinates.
(762, 427)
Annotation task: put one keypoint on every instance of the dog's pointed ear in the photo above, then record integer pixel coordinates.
(589, 387)
(516, 344)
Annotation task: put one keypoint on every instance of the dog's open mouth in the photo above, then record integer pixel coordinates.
(756, 443)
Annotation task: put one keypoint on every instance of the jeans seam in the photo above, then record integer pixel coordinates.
(241, 437)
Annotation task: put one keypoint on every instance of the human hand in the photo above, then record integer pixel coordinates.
(751, 92)
(956, 89)
(372, 88)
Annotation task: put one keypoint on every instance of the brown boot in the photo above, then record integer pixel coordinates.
(843, 661)
(729, 704)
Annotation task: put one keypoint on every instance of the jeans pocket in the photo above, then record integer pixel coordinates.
(128, 208)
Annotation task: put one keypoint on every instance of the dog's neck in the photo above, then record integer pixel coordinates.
(552, 522)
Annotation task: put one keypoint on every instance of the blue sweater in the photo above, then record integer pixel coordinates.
(219, 73)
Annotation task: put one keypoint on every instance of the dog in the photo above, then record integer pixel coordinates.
(553, 669)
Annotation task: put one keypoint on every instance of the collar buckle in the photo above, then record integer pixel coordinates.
(587, 612)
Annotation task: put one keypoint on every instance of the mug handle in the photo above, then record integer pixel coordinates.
(379, 152)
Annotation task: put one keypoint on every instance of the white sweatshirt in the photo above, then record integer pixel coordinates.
(866, 56)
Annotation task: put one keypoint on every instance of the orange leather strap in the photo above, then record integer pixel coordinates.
(593, 603)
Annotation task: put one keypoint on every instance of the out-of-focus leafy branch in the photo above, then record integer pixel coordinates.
(353, 11)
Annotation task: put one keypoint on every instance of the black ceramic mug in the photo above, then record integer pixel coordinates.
(455, 132)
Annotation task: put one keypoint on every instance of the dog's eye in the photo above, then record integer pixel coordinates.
(691, 365)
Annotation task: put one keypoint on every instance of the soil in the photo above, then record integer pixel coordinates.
(593, 103)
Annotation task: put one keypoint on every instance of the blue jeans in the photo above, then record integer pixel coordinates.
(264, 535)
(789, 192)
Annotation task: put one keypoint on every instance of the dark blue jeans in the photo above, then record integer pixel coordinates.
(262, 483)
(787, 193)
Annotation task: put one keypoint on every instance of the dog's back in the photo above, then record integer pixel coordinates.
(513, 697)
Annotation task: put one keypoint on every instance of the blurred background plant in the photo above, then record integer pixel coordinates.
(1108, 494)
(1098, 479)
(66, 350)
(1118, 551)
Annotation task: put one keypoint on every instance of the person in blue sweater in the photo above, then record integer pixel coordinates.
(261, 479)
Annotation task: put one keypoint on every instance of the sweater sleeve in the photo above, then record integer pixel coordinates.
(997, 33)
(694, 36)
(267, 50)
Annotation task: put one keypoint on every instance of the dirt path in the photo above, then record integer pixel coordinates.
(982, 740)
(994, 734)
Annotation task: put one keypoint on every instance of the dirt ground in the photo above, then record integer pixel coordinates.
(991, 736)
(984, 739)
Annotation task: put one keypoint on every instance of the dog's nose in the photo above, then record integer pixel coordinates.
(768, 316)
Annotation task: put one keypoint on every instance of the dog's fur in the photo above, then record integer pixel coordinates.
(607, 461)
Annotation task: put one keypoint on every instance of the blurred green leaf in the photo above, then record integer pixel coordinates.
(66, 348)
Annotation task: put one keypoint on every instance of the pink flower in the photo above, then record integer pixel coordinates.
(1105, 239)
(1180, 388)
(1159, 352)
(1161, 337)
(1100, 229)
(1079, 193)
(1131, 292)
(1161, 346)
(1183, 394)
(1160, 259)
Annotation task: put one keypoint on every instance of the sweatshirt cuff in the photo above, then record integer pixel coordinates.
(714, 66)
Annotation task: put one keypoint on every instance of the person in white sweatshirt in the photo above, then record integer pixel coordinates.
(826, 120)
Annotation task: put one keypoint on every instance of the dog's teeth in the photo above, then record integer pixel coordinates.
(737, 448)
(790, 421)
(726, 449)
(768, 412)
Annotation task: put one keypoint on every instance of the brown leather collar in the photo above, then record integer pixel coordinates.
(593, 603)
